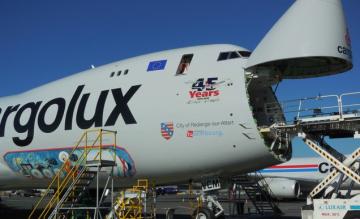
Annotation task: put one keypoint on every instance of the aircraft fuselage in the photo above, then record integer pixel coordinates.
(174, 122)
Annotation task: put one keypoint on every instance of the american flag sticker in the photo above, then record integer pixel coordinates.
(167, 130)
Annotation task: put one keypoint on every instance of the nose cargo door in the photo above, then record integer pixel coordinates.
(310, 40)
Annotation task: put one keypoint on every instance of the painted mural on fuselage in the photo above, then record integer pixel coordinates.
(204, 100)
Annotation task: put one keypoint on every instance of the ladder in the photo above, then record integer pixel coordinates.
(73, 180)
(257, 194)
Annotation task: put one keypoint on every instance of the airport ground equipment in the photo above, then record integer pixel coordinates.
(204, 205)
(314, 121)
(258, 193)
(208, 203)
(73, 180)
(132, 203)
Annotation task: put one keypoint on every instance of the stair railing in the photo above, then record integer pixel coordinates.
(63, 182)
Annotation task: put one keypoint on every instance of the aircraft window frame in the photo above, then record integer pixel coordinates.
(234, 55)
(223, 56)
(244, 54)
(118, 73)
(184, 64)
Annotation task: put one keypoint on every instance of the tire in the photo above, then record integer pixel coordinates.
(352, 215)
(170, 213)
(203, 213)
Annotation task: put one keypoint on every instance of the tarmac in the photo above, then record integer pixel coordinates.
(20, 207)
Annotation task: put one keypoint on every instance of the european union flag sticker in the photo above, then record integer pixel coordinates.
(157, 65)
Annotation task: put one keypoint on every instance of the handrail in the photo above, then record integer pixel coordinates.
(62, 183)
(54, 178)
(62, 186)
(258, 175)
(66, 179)
(316, 105)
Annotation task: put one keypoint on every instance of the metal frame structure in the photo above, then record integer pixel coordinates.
(337, 120)
(80, 175)
(132, 207)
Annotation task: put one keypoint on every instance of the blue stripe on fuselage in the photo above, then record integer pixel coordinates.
(354, 207)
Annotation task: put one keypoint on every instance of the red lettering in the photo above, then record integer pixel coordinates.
(198, 94)
(192, 94)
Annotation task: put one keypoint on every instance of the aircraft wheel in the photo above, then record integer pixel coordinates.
(203, 213)
(170, 213)
(352, 215)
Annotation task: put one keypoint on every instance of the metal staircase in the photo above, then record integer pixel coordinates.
(73, 181)
(78, 190)
(257, 194)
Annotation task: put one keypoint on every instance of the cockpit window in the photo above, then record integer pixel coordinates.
(233, 55)
(245, 53)
(223, 56)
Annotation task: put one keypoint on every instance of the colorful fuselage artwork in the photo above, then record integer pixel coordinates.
(48, 162)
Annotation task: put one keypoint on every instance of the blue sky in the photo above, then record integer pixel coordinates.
(41, 41)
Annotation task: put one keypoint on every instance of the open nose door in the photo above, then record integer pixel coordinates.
(310, 40)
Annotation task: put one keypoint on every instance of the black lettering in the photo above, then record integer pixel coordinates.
(121, 106)
(97, 118)
(325, 169)
(339, 49)
(7, 112)
(25, 117)
(47, 128)
(29, 126)
(332, 168)
(70, 110)
(345, 51)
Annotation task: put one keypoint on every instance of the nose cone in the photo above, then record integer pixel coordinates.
(310, 40)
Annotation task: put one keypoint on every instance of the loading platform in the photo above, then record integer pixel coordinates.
(313, 119)
(335, 116)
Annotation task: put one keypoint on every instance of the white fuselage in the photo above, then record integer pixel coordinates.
(214, 131)
(307, 171)
(180, 114)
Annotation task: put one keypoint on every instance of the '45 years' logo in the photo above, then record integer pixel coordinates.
(204, 88)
